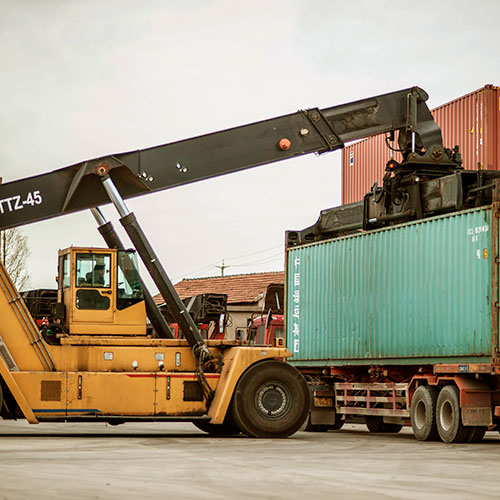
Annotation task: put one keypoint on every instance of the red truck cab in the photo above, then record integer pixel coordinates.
(266, 329)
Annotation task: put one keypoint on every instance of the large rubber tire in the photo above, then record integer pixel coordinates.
(374, 424)
(392, 428)
(227, 428)
(423, 413)
(448, 416)
(271, 400)
(476, 434)
(377, 424)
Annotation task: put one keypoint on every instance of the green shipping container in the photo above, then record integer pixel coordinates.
(409, 294)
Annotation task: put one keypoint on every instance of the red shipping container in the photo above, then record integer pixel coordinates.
(471, 121)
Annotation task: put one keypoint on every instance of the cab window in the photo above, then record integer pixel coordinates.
(93, 270)
(89, 298)
(65, 271)
(261, 335)
(129, 286)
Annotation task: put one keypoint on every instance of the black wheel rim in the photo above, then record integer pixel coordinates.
(273, 400)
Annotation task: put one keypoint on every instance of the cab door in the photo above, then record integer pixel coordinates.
(92, 296)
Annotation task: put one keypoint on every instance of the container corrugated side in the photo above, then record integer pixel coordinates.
(471, 121)
(414, 293)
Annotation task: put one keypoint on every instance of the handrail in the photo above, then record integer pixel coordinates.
(25, 319)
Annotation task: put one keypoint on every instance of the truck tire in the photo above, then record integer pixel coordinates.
(392, 428)
(377, 424)
(448, 416)
(271, 400)
(476, 434)
(374, 424)
(227, 428)
(423, 413)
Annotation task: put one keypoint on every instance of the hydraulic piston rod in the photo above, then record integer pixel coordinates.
(158, 273)
(113, 241)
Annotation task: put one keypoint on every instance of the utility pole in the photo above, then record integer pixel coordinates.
(222, 267)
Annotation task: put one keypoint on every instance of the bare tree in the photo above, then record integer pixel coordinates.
(14, 253)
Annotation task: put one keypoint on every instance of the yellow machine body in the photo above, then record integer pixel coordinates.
(99, 380)
(126, 377)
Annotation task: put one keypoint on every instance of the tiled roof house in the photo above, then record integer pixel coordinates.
(245, 294)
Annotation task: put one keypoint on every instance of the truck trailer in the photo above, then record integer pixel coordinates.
(396, 320)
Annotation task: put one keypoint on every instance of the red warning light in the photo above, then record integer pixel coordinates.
(285, 144)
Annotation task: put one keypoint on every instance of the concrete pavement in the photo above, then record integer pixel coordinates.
(158, 460)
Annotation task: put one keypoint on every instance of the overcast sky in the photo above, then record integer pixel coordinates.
(84, 79)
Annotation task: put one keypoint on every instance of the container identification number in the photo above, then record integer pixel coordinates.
(296, 305)
(473, 233)
(16, 202)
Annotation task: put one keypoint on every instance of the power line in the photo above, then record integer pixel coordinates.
(206, 268)
(255, 253)
(260, 261)
(199, 271)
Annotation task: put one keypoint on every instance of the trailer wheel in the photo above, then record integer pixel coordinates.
(271, 400)
(423, 413)
(476, 434)
(227, 428)
(377, 424)
(392, 428)
(374, 424)
(448, 416)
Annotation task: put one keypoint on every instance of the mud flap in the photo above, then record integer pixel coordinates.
(475, 401)
(322, 404)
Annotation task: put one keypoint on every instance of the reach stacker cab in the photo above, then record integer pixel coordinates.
(101, 293)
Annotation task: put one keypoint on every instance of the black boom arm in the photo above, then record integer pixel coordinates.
(135, 173)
